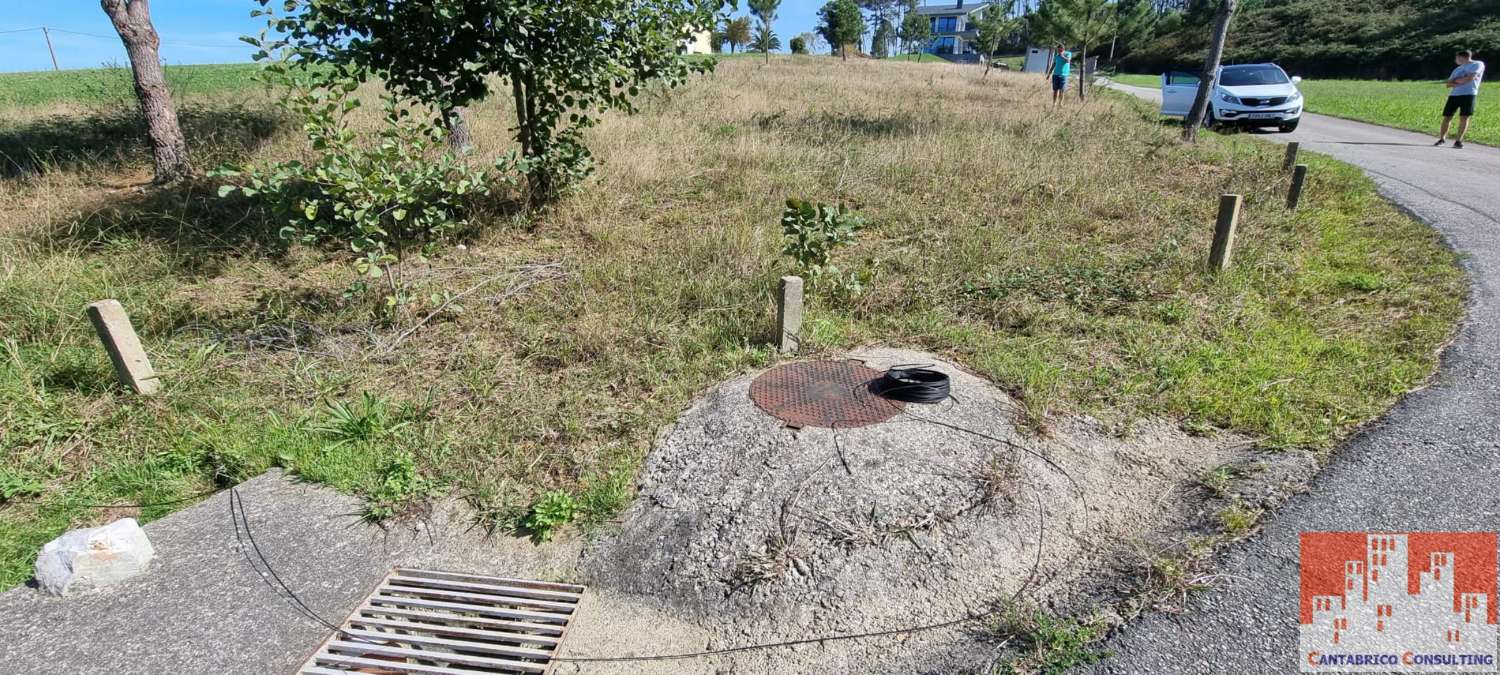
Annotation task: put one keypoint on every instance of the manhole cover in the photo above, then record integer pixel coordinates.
(822, 394)
(421, 621)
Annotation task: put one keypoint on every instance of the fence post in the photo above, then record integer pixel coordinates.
(1223, 247)
(1291, 156)
(125, 352)
(789, 315)
(1294, 195)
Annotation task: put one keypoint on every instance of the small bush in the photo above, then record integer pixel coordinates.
(555, 509)
(382, 197)
(812, 233)
(399, 485)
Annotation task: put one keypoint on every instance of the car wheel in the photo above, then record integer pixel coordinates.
(1288, 127)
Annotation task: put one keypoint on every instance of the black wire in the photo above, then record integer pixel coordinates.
(908, 630)
(239, 516)
(913, 385)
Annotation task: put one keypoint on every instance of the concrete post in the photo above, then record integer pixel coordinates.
(1291, 156)
(1294, 195)
(1223, 247)
(115, 331)
(789, 315)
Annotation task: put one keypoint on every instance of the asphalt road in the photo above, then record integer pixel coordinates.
(1433, 462)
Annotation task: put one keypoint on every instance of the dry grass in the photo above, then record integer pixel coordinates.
(1060, 254)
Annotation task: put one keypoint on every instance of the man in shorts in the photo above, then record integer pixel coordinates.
(1059, 70)
(1464, 83)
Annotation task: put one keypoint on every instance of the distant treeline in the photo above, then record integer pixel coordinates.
(1382, 39)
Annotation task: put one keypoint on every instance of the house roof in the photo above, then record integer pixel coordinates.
(966, 8)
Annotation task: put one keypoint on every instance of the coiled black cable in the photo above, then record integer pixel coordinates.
(913, 385)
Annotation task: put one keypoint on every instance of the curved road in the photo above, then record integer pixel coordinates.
(1432, 463)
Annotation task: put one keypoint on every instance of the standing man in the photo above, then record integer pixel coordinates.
(1059, 70)
(1464, 83)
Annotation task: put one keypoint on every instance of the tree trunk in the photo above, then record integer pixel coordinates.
(1083, 72)
(132, 20)
(459, 138)
(1210, 75)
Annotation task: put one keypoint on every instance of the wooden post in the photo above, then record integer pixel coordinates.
(1291, 156)
(1294, 195)
(125, 352)
(1223, 247)
(789, 315)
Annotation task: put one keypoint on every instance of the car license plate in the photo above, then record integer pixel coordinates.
(1264, 116)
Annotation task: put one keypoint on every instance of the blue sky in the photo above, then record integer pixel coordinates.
(192, 31)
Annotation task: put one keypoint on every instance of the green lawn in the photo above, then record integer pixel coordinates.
(109, 85)
(1403, 104)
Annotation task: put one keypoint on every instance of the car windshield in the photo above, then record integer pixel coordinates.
(1251, 76)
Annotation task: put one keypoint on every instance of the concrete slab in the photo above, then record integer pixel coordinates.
(202, 609)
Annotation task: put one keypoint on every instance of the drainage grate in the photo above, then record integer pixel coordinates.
(822, 394)
(443, 623)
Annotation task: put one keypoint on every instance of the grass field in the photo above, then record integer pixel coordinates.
(1417, 106)
(113, 85)
(1022, 243)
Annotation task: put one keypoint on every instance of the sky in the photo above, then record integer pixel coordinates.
(192, 31)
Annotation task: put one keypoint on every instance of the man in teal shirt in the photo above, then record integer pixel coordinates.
(1061, 68)
(1464, 83)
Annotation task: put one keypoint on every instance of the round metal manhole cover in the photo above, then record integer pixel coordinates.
(822, 394)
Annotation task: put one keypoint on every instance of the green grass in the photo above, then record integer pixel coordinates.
(113, 85)
(1415, 106)
(1079, 288)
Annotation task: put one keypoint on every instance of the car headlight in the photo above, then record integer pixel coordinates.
(1229, 99)
(1296, 96)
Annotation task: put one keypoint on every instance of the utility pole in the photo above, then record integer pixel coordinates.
(48, 37)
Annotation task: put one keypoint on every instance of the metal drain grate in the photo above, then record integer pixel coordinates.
(822, 394)
(444, 623)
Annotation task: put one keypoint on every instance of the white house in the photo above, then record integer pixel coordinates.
(700, 43)
(951, 31)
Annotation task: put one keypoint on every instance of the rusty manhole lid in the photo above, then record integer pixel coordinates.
(822, 394)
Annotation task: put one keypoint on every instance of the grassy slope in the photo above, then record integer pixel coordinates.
(112, 85)
(1416, 106)
(1019, 241)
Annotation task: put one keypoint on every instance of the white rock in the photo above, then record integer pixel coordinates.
(83, 560)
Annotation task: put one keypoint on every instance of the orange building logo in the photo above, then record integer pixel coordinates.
(1407, 602)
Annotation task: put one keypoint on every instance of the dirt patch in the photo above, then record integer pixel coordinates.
(758, 532)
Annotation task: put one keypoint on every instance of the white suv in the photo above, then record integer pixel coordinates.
(1252, 95)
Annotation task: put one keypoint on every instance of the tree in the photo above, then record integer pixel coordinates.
(765, 40)
(1210, 74)
(841, 24)
(132, 20)
(737, 33)
(880, 44)
(883, 21)
(1086, 23)
(992, 27)
(799, 45)
(565, 63)
(916, 30)
(1134, 21)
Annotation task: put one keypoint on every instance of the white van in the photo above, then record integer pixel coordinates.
(1251, 95)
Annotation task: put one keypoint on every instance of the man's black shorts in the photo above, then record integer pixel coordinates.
(1463, 105)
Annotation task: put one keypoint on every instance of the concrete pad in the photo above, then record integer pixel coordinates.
(202, 609)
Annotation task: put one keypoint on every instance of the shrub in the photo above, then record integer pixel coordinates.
(555, 509)
(798, 45)
(381, 198)
(812, 232)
